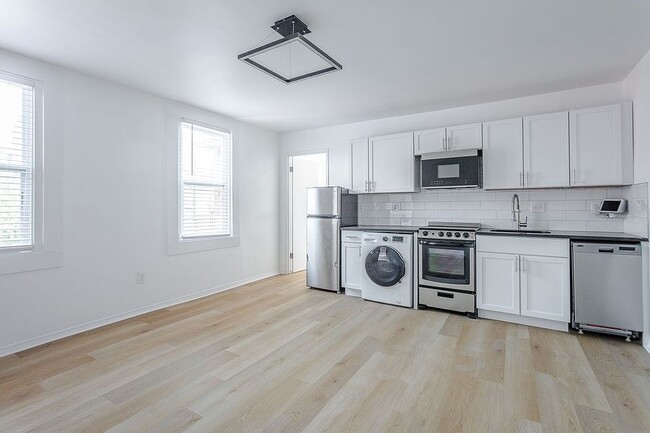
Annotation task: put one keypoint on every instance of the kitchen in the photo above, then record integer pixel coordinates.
(476, 253)
(473, 241)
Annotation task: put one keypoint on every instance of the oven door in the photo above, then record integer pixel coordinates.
(447, 265)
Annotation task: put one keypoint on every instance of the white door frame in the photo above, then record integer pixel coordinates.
(289, 177)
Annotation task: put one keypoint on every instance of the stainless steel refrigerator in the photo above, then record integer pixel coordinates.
(328, 209)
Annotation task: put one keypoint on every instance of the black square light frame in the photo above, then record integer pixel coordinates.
(297, 32)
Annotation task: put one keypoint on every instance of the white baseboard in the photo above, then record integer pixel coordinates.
(57, 335)
(523, 320)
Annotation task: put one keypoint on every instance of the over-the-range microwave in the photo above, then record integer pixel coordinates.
(460, 169)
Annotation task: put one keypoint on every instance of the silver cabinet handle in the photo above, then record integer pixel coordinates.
(523, 265)
(521, 178)
(449, 141)
(517, 265)
(574, 176)
(526, 179)
(367, 189)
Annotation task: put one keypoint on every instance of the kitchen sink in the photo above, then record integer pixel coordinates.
(523, 232)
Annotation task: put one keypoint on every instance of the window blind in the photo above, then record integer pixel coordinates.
(205, 182)
(16, 164)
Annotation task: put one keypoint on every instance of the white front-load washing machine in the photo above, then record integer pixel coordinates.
(387, 268)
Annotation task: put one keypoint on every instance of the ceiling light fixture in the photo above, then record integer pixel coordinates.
(293, 31)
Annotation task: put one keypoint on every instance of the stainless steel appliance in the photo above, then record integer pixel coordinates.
(463, 170)
(607, 288)
(447, 269)
(328, 209)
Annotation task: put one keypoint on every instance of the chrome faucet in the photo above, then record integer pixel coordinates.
(516, 213)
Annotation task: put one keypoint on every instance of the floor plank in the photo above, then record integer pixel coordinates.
(276, 356)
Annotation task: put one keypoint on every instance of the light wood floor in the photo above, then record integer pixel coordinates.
(274, 356)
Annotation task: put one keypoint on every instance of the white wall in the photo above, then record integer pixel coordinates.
(636, 87)
(336, 139)
(114, 219)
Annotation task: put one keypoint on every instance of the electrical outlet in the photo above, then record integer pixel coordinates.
(395, 207)
(537, 206)
(139, 278)
(595, 208)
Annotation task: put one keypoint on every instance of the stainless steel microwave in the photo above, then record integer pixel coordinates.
(460, 171)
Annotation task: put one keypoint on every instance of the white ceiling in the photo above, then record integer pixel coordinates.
(398, 57)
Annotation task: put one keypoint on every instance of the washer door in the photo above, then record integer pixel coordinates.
(385, 266)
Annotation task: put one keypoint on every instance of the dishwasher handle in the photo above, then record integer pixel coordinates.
(632, 249)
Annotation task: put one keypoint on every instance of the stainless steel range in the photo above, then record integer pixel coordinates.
(447, 266)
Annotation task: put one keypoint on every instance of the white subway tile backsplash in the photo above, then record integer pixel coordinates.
(437, 205)
(563, 209)
(579, 226)
(465, 205)
(451, 215)
(497, 205)
(566, 205)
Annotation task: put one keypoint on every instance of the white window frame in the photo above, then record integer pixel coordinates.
(177, 113)
(47, 181)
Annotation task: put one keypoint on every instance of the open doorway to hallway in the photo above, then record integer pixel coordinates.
(304, 171)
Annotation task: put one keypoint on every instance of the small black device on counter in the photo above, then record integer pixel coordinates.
(461, 171)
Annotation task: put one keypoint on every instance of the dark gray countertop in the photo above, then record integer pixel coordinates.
(577, 235)
(387, 229)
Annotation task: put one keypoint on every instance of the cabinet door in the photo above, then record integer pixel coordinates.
(392, 164)
(359, 166)
(351, 266)
(546, 150)
(545, 288)
(465, 137)
(502, 154)
(431, 140)
(497, 282)
(600, 145)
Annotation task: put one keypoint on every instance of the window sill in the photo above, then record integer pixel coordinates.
(197, 245)
(13, 263)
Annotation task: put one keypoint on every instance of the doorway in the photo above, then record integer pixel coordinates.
(304, 171)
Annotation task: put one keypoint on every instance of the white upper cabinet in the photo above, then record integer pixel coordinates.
(464, 137)
(460, 137)
(359, 165)
(601, 145)
(392, 164)
(431, 140)
(502, 154)
(546, 150)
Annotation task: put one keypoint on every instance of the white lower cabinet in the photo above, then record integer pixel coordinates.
(545, 291)
(351, 262)
(498, 282)
(521, 286)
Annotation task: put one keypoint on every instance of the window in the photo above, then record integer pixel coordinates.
(202, 193)
(16, 165)
(205, 177)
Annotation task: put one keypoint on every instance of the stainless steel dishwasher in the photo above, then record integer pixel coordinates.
(607, 288)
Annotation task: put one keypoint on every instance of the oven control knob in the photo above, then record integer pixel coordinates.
(441, 234)
(449, 234)
(465, 235)
(385, 238)
(425, 233)
(457, 234)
